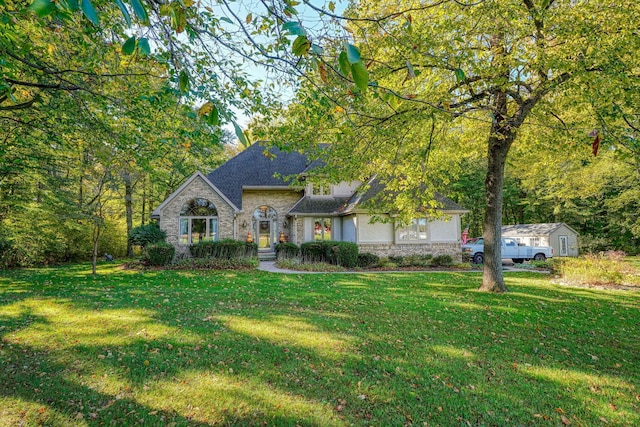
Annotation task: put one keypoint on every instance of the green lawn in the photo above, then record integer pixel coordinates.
(427, 349)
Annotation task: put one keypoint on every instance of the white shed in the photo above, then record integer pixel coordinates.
(562, 238)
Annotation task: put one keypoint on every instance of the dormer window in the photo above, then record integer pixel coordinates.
(319, 190)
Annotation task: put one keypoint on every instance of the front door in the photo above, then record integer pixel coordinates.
(265, 235)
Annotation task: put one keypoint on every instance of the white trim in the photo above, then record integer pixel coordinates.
(157, 211)
(271, 187)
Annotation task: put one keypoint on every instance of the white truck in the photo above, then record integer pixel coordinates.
(510, 249)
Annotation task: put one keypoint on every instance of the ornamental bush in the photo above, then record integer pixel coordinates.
(441, 261)
(314, 251)
(367, 259)
(331, 252)
(147, 234)
(159, 254)
(216, 264)
(224, 249)
(287, 250)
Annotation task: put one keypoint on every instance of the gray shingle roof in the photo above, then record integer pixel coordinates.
(376, 188)
(328, 206)
(532, 229)
(256, 166)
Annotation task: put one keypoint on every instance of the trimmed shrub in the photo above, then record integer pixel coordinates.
(314, 251)
(216, 264)
(147, 234)
(415, 260)
(346, 254)
(331, 252)
(224, 249)
(367, 259)
(295, 264)
(441, 261)
(287, 250)
(159, 254)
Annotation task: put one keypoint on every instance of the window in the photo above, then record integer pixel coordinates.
(320, 190)
(534, 241)
(322, 228)
(265, 212)
(198, 222)
(414, 232)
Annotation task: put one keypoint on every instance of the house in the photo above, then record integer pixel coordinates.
(249, 197)
(562, 238)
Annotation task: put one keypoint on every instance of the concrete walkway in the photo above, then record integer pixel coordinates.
(270, 266)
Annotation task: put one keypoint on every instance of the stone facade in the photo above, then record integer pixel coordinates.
(390, 249)
(280, 200)
(236, 224)
(198, 188)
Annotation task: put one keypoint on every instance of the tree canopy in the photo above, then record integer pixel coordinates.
(439, 77)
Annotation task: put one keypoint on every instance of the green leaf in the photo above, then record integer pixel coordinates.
(353, 54)
(129, 46)
(360, 76)
(294, 28)
(183, 81)
(90, 12)
(318, 50)
(289, 11)
(42, 7)
(143, 46)
(411, 73)
(225, 19)
(241, 136)
(213, 119)
(72, 5)
(139, 10)
(332, 6)
(178, 19)
(460, 74)
(344, 63)
(125, 12)
(301, 46)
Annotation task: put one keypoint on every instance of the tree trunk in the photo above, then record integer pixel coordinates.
(500, 140)
(97, 227)
(128, 207)
(144, 199)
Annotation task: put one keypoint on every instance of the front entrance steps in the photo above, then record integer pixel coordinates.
(267, 256)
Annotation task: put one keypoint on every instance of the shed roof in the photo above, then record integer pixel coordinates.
(533, 229)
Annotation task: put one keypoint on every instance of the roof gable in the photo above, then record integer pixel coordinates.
(534, 229)
(198, 174)
(257, 166)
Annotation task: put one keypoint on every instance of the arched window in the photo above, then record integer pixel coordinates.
(198, 221)
(265, 212)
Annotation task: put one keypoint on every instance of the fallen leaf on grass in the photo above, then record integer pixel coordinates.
(566, 421)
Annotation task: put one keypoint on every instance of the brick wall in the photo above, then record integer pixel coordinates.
(280, 200)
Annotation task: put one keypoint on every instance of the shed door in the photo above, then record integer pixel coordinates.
(564, 245)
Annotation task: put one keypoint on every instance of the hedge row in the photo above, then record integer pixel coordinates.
(331, 252)
(224, 249)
